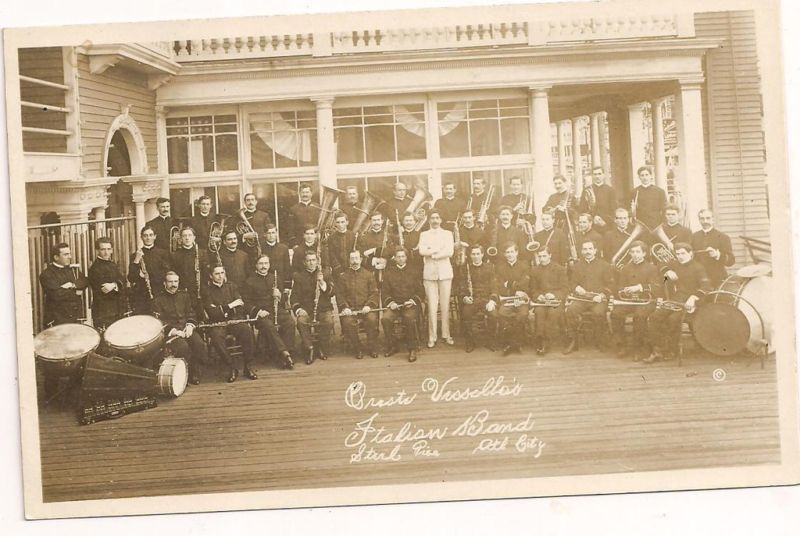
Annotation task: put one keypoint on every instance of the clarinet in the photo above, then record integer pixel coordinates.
(399, 229)
(275, 300)
(146, 277)
(197, 268)
(469, 283)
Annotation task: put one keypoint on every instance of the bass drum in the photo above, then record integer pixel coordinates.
(173, 376)
(736, 317)
(62, 349)
(135, 338)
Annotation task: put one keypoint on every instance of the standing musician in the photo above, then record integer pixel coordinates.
(237, 263)
(108, 286)
(478, 199)
(648, 202)
(673, 228)
(264, 298)
(401, 296)
(474, 291)
(470, 233)
(507, 231)
(309, 243)
(518, 200)
(162, 224)
(449, 205)
(302, 214)
(637, 281)
(599, 199)
(553, 239)
(584, 231)
(350, 204)
(563, 203)
(510, 298)
(340, 243)
(357, 295)
(146, 272)
(376, 243)
(223, 304)
(591, 280)
(190, 262)
(311, 303)
(410, 242)
(63, 286)
(202, 220)
(616, 237)
(278, 254)
(685, 280)
(176, 309)
(436, 248)
(548, 290)
(258, 220)
(712, 248)
(395, 207)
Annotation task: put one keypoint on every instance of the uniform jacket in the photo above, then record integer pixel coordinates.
(450, 210)
(216, 299)
(356, 289)
(157, 262)
(592, 235)
(202, 226)
(718, 240)
(613, 240)
(370, 239)
(605, 202)
(183, 262)
(551, 278)
(338, 247)
(62, 305)
(162, 227)
(238, 265)
(257, 291)
(595, 276)
(678, 233)
(401, 285)
(556, 241)
(175, 310)
(304, 290)
(299, 216)
(650, 205)
(644, 273)
(692, 279)
(473, 236)
(482, 281)
(278, 255)
(509, 279)
(112, 305)
(560, 199)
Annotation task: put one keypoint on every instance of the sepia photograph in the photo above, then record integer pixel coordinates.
(401, 256)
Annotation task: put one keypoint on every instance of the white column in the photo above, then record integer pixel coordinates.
(561, 130)
(577, 161)
(659, 153)
(140, 218)
(605, 156)
(326, 146)
(432, 147)
(692, 180)
(100, 216)
(542, 147)
(161, 142)
(595, 143)
(637, 139)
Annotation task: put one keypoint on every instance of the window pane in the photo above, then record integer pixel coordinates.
(410, 145)
(462, 181)
(208, 153)
(515, 135)
(265, 194)
(492, 176)
(227, 153)
(379, 141)
(287, 197)
(349, 145)
(180, 203)
(261, 155)
(484, 137)
(456, 142)
(178, 155)
(225, 118)
(229, 199)
(381, 186)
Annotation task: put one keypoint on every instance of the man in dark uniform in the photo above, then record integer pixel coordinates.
(592, 280)
(108, 286)
(395, 207)
(712, 249)
(222, 302)
(313, 312)
(475, 287)
(600, 200)
(449, 205)
(584, 230)
(202, 220)
(258, 220)
(264, 300)
(562, 203)
(307, 243)
(176, 309)
(402, 291)
(506, 231)
(685, 280)
(237, 263)
(511, 279)
(638, 280)
(553, 239)
(162, 224)
(470, 233)
(548, 290)
(301, 215)
(648, 202)
(614, 238)
(146, 272)
(673, 228)
(376, 243)
(278, 254)
(190, 262)
(518, 201)
(410, 242)
(349, 205)
(356, 296)
(478, 199)
(340, 244)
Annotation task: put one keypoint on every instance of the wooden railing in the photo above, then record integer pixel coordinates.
(80, 237)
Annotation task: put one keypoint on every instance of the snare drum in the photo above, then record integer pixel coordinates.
(63, 349)
(135, 338)
(172, 377)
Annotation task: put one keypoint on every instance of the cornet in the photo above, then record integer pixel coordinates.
(244, 227)
(514, 301)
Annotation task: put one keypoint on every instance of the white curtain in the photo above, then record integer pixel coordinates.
(446, 125)
(281, 136)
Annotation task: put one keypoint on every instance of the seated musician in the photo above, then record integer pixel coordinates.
(474, 292)
(616, 237)
(510, 298)
(223, 304)
(311, 302)
(376, 243)
(357, 296)
(637, 281)
(237, 263)
(402, 297)
(176, 309)
(712, 248)
(263, 292)
(553, 239)
(590, 281)
(340, 243)
(108, 286)
(548, 289)
(685, 280)
(146, 272)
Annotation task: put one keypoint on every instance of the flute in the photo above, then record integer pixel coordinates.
(225, 323)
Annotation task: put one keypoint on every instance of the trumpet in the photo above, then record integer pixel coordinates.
(662, 253)
(243, 226)
(514, 301)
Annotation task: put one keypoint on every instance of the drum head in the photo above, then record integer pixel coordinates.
(132, 331)
(65, 341)
(721, 329)
(754, 270)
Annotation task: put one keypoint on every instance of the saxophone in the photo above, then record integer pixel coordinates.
(146, 277)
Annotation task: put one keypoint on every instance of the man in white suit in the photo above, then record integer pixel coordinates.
(436, 248)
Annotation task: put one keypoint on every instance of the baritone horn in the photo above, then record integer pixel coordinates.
(662, 253)
(420, 203)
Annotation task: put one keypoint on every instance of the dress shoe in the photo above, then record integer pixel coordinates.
(654, 356)
(287, 360)
(359, 355)
(571, 347)
(469, 346)
(249, 373)
(373, 354)
(233, 375)
(449, 341)
(412, 356)
(310, 356)
(507, 349)
(194, 380)
(322, 355)
(390, 351)
(431, 344)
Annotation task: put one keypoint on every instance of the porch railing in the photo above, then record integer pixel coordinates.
(80, 236)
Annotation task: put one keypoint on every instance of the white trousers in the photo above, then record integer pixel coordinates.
(438, 295)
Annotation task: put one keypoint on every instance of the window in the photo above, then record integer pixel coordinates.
(205, 143)
(379, 133)
(276, 198)
(382, 186)
(484, 127)
(499, 177)
(224, 200)
(283, 139)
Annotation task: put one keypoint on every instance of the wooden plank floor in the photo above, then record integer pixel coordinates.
(594, 412)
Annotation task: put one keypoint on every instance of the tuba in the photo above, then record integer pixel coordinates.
(420, 203)
(365, 209)
(326, 211)
(619, 257)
